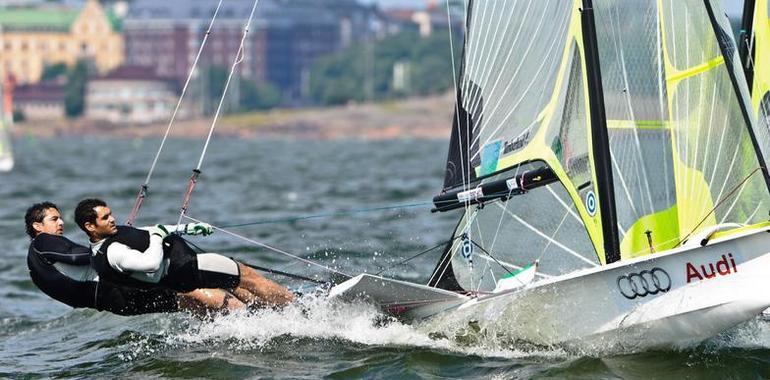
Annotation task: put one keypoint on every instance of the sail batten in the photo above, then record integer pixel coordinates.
(755, 55)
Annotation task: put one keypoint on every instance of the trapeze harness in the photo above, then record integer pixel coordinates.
(61, 269)
(182, 269)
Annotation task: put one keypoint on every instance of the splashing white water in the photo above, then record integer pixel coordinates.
(750, 335)
(319, 318)
(310, 318)
(324, 320)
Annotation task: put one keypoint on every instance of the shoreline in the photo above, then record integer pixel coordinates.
(413, 118)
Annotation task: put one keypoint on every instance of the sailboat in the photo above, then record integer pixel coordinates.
(610, 179)
(6, 155)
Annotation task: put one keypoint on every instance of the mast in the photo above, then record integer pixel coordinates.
(600, 138)
(727, 51)
(443, 274)
(746, 43)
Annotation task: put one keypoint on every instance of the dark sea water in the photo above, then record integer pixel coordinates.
(260, 181)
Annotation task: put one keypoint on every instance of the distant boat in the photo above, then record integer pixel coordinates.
(6, 154)
(609, 176)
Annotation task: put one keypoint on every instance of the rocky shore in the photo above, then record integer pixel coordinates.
(422, 118)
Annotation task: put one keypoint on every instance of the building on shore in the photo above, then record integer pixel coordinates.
(166, 36)
(425, 22)
(285, 39)
(131, 95)
(32, 39)
(40, 101)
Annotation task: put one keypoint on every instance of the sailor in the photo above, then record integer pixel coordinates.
(152, 258)
(62, 270)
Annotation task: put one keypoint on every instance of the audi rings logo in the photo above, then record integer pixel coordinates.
(644, 283)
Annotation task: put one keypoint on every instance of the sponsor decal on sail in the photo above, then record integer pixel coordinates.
(723, 267)
(490, 155)
(516, 143)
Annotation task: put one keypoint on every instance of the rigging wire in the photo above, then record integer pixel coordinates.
(417, 255)
(145, 186)
(326, 215)
(465, 167)
(492, 257)
(264, 269)
(457, 104)
(271, 248)
(239, 57)
(719, 203)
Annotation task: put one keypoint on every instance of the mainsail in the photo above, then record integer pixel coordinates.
(755, 52)
(634, 111)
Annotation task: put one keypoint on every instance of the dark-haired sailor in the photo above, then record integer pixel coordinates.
(151, 258)
(62, 270)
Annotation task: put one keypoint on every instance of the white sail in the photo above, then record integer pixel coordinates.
(755, 51)
(6, 154)
(595, 138)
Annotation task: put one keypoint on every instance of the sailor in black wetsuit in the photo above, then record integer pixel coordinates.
(150, 258)
(61, 269)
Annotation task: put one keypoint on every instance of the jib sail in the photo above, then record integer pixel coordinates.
(591, 131)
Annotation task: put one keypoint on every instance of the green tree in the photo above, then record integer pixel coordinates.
(258, 96)
(51, 72)
(75, 89)
(214, 78)
(365, 71)
(251, 96)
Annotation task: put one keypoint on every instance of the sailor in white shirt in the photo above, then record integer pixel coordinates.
(153, 258)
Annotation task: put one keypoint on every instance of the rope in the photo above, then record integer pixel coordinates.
(143, 189)
(239, 56)
(490, 255)
(727, 196)
(466, 182)
(264, 269)
(276, 250)
(417, 255)
(326, 215)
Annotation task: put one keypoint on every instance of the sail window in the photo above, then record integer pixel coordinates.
(568, 135)
(541, 226)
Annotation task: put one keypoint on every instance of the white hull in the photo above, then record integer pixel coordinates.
(404, 299)
(589, 307)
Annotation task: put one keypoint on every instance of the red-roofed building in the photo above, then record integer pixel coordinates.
(42, 101)
(131, 95)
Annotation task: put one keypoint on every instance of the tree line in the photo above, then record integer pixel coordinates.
(368, 71)
(403, 64)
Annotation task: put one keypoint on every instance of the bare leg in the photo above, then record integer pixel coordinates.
(202, 301)
(256, 289)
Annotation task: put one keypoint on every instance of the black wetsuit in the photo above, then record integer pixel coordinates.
(183, 272)
(61, 269)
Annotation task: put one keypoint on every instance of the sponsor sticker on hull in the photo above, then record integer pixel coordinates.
(644, 283)
(724, 266)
